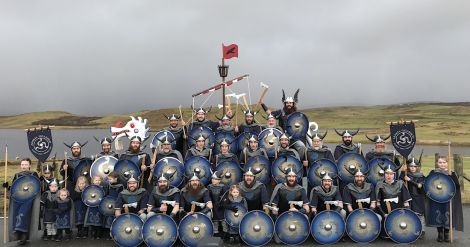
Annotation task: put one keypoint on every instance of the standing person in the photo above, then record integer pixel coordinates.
(252, 150)
(348, 146)
(141, 159)
(112, 188)
(79, 207)
(23, 216)
(177, 131)
(228, 202)
(201, 120)
(49, 200)
(216, 191)
(225, 154)
(72, 163)
(250, 125)
(289, 108)
(439, 212)
(199, 149)
(64, 215)
(415, 180)
(106, 148)
(93, 217)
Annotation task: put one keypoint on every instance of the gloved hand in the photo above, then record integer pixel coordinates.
(5, 185)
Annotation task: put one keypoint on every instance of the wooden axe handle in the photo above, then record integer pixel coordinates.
(246, 103)
(261, 97)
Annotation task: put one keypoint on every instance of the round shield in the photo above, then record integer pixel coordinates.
(92, 195)
(160, 136)
(172, 168)
(363, 225)
(106, 206)
(256, 228)
(348, 164)
(206, 132)
(327, 227)
(228, 136)
(297, 125)
(230, 172)
(126, 168)
(403, 226)
(25, 188)
(126, 230)
(260, 167)
(199, 165)
(194, 227)
(377, 167)
(439, 187)
(282, 164)
(82, 169)
(233, 218)
(320, 168)
(160, 230)
(292, 227)
(242, 140)
(103, 166)
(269, 140)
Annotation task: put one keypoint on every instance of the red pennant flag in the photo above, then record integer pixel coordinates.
(230, 51)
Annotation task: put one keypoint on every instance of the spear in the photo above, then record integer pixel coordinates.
(5, 190)
(450, 202)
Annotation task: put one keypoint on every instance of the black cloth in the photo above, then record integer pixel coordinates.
(418, 194)
(140, 159)
(256, 196)
(283, 193)
(205, 123)
(352, 192)
(205, 152)
(140, 196)
(157, 196)
(390, 191)
(318, 197)
(253, 128)
(179, 137)
(216, 193)
(342, 149)
(201, 196)
(49, 201)
(321, 153)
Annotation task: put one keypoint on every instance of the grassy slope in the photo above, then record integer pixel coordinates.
(437, 122)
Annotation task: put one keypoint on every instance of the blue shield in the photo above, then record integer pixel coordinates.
(439, 187)
(194, 227)
(320, 168)
(228, 136)
(230, 172)
(206, 132)
(282, 164)
(327, 227)
(292, 227)
(403, 226)
(160, 136)
(269, 140)
(82, 169)
(199, 165)
(348, 164)
(261, 167)
(377, 167)
(25, 188)
(172, 168)
(233, 218)
(126, 230)
(363, 226)
(242, 140)
(92, 195)
(160, 230)
(256, 228)
(297, 125)
(106, 206)
(103, 166)
(126, 168)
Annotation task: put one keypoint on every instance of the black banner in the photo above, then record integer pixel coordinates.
(403, 138)
(40, 143)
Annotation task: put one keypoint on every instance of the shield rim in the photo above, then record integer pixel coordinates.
(300, 172)
(102, 157)
(89, 188)
(407, 210)
(305, 127)
(164, 215)
(300, 214)
(204, 179)
(227, 211)
(200, 214)
(38, 187)
(340, 174)
(111, 229)
(310, 169)
(426, 185)
(364, 209)
(267, 217)
(324, 212)
(158, 168)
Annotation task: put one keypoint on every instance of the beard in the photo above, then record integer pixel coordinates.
(291, 183)
(193, 190)
(290, 110)
(249, 185)
(134, 150)
(347, 143)
(163, 188)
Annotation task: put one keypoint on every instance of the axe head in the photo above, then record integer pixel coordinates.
(395, 200)
(263, 85)
(220, 106)
(366, 200)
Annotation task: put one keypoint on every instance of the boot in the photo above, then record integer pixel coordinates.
(22, 238)
(79, 231)
(58, 237)
(446, 236)
(44, 235)
(440, 234)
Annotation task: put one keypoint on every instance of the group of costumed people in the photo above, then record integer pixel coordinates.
(63, 214)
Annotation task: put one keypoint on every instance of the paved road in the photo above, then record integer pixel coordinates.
(460, 239)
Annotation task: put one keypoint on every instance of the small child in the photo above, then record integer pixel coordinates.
(49, 200)
(216, 191)
(79, 206)
(93, 216)
(229, 201)
(64, 208)
(415, 180)
(112, 189)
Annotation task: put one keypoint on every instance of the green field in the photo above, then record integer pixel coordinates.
(437, 122)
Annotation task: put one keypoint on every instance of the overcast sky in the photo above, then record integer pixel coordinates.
(100, 57)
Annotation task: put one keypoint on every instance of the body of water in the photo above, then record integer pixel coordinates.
(18, 145)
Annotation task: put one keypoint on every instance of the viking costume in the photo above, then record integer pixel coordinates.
(248, 152)
(216, 191)
(204, 123)
(364, 195)
(284, 151)
(438, 213)
(255, 194)
(201, 195)
(228, 202)
(113, 191)
(72, 163)
(157, 198)
(139, 158)
(253, 127)
(387, 191)
(316, 153)
(283, 193)
(80, 210)
(225, 157)
(384, 154)
(283, 114)
(49, 200)
(225, 129)
(320, 195)
(347, 148)
(64, 218)
(22, 216)
(194, 151)
(94, 220)
(104, 141)
(177, 132)
(133, 201)
(273, 126)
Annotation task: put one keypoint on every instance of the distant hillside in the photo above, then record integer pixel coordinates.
(437, 122)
